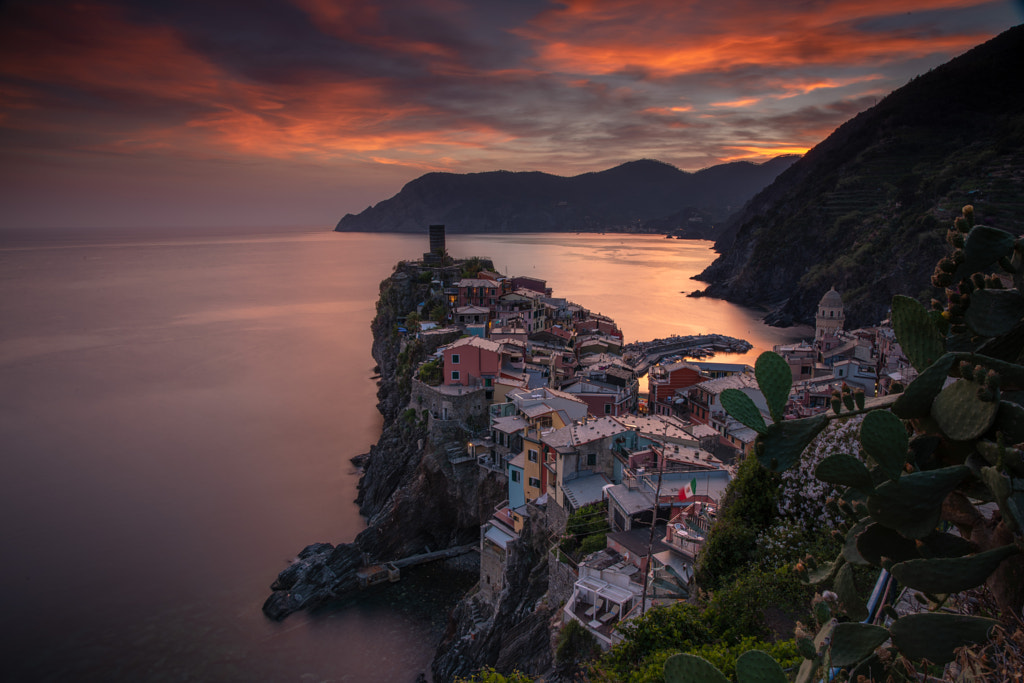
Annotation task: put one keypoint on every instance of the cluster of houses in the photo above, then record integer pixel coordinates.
(539, 386)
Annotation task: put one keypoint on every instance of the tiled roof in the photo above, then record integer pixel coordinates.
(509, 425)
(477, 342)
(740, 381)
(476, 282)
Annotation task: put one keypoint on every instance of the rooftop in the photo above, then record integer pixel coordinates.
(632, 500)
(636, 540)
(666, 427)
(509, 425)
(585, 490)
(476, 342)
(738, 381)
(471, 310)
(476, 282)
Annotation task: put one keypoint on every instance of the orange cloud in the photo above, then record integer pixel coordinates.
(745, 102)
(218, 111)
(760, 152)
(793, 88)
(667, 38)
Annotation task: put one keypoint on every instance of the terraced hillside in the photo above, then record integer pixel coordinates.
(867, 209)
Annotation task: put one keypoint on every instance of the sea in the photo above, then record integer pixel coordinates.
(178, 410)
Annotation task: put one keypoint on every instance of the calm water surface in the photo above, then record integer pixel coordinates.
(177, 411)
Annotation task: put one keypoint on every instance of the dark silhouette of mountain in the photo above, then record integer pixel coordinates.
(624, 198)
(867, 210)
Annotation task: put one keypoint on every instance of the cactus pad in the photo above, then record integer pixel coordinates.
(685, 668)
(950, 575)
(877, 541)
(775, 378)
(916, 399)
(755, 666)
(911, 505)
(934, 636)
(916, 332)
(994, 311)
(984, 247)
(785, 441)
(806, 648)
(1010, 421)
(1002, 488)
(850, 551)
(849, 598)
(742, 407)
(939, 544)
(825, 571)
(853, 642)
(961, 414)
(885, 439)
(845, 470)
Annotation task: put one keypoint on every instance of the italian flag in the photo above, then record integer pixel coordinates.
(688, 489)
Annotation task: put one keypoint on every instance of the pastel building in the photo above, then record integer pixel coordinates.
(472, 362)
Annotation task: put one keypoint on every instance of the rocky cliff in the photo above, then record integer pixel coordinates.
(413, 497)
(866, 210)
(515, 632)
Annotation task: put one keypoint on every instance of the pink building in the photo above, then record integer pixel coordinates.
(472, 361)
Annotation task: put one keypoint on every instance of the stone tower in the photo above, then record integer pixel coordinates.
(437, 248)
(830, 318)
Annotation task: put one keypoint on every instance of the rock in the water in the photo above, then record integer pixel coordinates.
(320, 573)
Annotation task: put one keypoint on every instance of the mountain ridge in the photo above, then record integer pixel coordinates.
(622, 198)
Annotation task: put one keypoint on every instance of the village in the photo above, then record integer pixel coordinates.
(543, 394)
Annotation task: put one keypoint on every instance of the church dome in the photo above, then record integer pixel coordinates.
(832, 299)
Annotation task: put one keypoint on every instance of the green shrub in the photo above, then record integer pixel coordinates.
(748, 507)
(575, 645)
(724, 655)
(661, 629)
(663, 632)
(489, 675)
(742, 608)
(593, 543)
(431, 372)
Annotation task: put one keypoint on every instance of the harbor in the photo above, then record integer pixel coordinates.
(642, 355)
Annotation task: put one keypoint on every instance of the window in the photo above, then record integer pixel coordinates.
(455, 359)
(532, 455)
(535, 482)
(591, 459)
(516, 475)
(455, 375)
(607, 408)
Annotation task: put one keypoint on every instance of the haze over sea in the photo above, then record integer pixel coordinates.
(177, 414)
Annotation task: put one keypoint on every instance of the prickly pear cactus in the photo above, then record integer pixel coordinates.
(952, 440)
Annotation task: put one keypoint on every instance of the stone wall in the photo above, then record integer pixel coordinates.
(452, 410)
(561, 578)
(492, 570)
(557, 517)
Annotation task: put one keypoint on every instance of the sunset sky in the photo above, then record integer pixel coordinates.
(295, 112)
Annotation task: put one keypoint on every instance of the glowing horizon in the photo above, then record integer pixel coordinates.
(191, 113)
